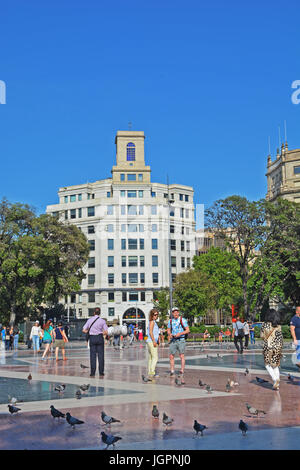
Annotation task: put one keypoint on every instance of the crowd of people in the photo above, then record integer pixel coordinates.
(9, 337)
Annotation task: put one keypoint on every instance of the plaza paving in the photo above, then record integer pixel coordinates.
(122, 394)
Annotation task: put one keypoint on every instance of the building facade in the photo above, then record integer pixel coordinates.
(129, 222)
(283, 175)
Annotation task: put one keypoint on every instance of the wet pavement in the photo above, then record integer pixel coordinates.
(123, 395)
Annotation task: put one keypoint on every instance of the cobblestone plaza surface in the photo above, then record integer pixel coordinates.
(123, 395)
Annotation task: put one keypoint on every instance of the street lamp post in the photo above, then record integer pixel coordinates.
(170, 201)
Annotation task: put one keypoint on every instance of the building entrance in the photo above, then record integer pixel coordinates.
(136, 317)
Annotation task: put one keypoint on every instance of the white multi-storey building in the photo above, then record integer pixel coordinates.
(129, 222)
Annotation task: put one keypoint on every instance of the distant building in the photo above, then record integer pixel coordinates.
(206, 239)
(283, 175)
(126, 220)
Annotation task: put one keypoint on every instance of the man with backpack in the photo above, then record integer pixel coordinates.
(238, 334)
(177, 331)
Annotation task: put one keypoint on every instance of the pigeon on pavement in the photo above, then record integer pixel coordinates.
(208, 388)
(201, 384)
(254, 411)
(78, 394)
(145, 379)
(56, 413)
(108, 419)
(84, 387)
(155, 412)
(243, 427)
(72, 421)
(29, 377)
(291, 378)
(59, 388)
(246, 371)
(199, 427)
(228, 387)
(83, 366)
(166, 420)
(178, 381)
(261, 381)
(109, 439)
(13, 409)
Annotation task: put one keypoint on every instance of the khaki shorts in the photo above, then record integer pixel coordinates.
(59, 343)
(177, 346)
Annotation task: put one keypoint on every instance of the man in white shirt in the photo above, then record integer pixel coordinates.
(238, 334)
(247, 333)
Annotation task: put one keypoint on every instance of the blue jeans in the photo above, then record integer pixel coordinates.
(298, 352)
(252, 339)
(16, 340)
(36, 342)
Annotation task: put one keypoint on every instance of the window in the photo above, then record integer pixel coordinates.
(181, 212)
(90, 196)
(122, 178)
(153, 194)
(131, 177)
(108, 194)
(173, 277)
(188, 262)
(186, 198)
(91, 211)
(154, 228)
(79, 298)
(73, 214)
(154, 210)
(110, 210)
(91, 228)
(155, 260)
(91, 279)
(91, 297)
(187, 213)
(91, 262)
(122, 193)
(133, 278)
(123, 227)
(182, 230)
(111, 278)
(140, 177)
(154, 243)
(124, 278)
(172, 212)
(110, 261)
(111, 311)
(123, 261)
(132, 243)
(142, 261)
(124, 296)
(183, 262)
(79, 213)
(172, 228)
(141, 210)
(91, 312)
(188, 246)
(296, 170)
(111, 296)
(130, 152)
(73, 198)
(131, 193)
(133, 297)
(141, 227)
(73, 298)
(142, 278)
(141, 193)
(110, 244)
(110, 228)
(132, 210)
(180, 197)
(173, 261)
(142, 244)
(79, 197)
(66, 199)
(182, 245)
(55, 214)
(143, 296)
(66, 215)
(123, 244)
(132, 260)
(92, 244)
(123, 210)
(173, 244)
(155, 278)
(132, 228)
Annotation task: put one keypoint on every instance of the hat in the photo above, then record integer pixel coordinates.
(36, 321)
(175, 309)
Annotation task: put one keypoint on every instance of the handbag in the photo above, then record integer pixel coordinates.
(87, 335)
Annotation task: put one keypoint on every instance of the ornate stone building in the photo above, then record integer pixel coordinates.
(283, 175)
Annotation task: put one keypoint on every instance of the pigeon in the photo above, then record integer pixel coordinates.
(13, 409)
(83, 366)
(108, 419)
(178, 381)
(145, 379)
(208, 388)
(155, 412)
(199, 427)
(228, 387)
(84, 387)
(243, 427)
(254, 411)
(201, 384)
(219, 356)
(291, 378)
(78, 394)
(29, 377)
(246, 371)
(72, 421)
(56, 413)
(59, 388)
(166, 420)
(261, 381)
(109, 439)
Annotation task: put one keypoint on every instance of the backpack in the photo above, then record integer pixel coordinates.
(185, 336)
(241, 332)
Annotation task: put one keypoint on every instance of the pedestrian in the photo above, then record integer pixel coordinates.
(131, 333)
(246, 334)
(162, 336)
(47, 338)
(227, 334)
(152, 343)
(220, 336)
(238, 334)
(16, 337)
(272, 345)
(117, 335)
(177, 329)
(252, 331)
(3, 333)
(60, 339)
(295, 332)
(96, 327)
(141, 336)
(7, 338)
(35, 333)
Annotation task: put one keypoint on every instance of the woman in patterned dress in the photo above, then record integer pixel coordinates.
(272, 346)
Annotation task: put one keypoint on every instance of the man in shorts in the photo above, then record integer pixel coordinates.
(177, 329)
(295, 332)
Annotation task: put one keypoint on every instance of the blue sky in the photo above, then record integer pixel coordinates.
(207, 82)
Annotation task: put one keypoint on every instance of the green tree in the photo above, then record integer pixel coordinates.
(162, 303)
(194, 294)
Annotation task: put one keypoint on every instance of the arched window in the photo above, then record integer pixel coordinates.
(130, 152)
